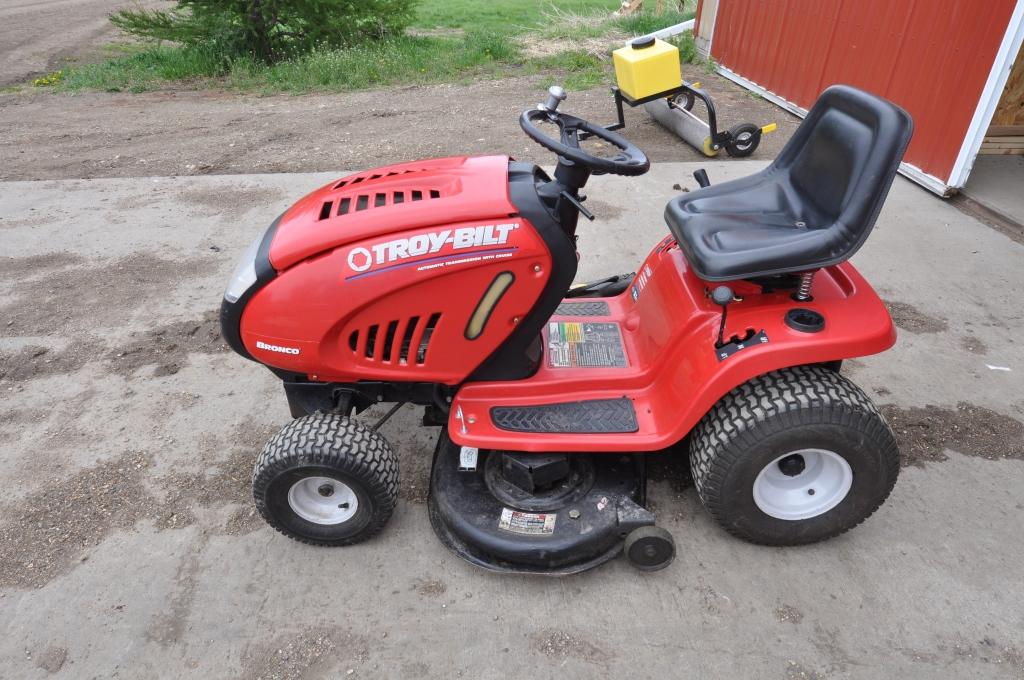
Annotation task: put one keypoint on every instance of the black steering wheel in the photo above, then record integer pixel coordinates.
(630, 160)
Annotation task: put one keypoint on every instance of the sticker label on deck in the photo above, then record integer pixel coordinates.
(467, 458)
(573, 344)
(532, 523)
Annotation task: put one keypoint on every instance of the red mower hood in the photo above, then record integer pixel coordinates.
(392, 199)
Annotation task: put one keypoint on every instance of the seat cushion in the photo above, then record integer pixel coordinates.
(812, 207)
(748, 228)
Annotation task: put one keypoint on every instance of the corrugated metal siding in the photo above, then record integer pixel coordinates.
(932, 57)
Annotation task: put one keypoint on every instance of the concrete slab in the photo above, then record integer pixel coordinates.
(996, 182)
(128, 547)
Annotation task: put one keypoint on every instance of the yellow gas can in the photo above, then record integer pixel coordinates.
(647, 66)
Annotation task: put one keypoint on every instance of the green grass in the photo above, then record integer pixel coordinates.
(571, 26)
(486, 47)
(507, 16)
(404, 60)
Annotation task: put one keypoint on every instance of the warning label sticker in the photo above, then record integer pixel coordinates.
(536, 524)
(585, 345)
(467, 458)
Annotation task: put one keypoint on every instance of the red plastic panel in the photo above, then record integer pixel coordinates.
(674, 374)
(386, 292)
(392, 199)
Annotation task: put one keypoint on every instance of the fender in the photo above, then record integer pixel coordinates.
(675, 374)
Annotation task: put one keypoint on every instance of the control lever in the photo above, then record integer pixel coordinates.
(721, 296)
(578, 204)
(702, 179)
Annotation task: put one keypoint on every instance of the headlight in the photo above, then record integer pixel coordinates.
(245, 273)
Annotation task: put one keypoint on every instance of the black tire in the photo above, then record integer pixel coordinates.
(332, 446)
(807, 407)
(745, 140)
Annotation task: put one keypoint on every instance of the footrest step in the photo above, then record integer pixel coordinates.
(598, 416)
(599, 308)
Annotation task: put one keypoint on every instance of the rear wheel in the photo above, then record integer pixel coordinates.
(326, 480)
(793, 457)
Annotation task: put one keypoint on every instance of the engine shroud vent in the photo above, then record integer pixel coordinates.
(376, 199)
(399, 342)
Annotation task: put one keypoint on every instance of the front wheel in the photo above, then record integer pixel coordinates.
(793, 457)
(326, 480)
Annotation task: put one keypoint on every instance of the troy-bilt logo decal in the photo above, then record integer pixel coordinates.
(392, 253)
(276, 348)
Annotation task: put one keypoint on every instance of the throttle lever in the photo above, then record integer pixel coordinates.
(578, 205)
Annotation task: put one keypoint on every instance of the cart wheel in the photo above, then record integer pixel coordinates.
(745, 140)
(683, 100)
(649, 548)
(326, 480)
(793, 457)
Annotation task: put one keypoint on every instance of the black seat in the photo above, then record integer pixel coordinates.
(812, 207)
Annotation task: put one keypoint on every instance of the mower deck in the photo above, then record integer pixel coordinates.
(575, 526)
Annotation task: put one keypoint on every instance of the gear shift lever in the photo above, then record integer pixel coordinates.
(722, 296)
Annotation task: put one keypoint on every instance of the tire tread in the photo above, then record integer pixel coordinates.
(334, 441)
(772, 403)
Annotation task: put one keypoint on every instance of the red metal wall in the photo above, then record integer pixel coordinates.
(932, 57)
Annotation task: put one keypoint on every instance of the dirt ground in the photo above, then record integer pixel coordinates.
(40, 36)
(210, 132)
(129, 546)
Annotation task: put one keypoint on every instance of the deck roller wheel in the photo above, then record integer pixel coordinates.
(649, 548)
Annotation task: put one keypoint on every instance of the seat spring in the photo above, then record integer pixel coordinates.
(804, 292)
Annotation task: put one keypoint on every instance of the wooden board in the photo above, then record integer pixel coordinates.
(1005, 131)
(1005, 136)
(1010, 110)
(1003, 145)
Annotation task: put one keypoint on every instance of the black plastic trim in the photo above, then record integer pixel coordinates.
(231, 312)
(595, 416)
(512, 360)
(805, 320)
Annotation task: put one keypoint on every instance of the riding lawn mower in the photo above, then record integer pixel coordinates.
(449, 284)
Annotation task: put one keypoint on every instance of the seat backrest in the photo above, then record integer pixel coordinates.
(844, 156)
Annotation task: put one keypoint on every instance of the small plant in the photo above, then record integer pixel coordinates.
(49, 80)
(268, 30)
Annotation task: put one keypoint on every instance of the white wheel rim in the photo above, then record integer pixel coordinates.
(819, 486)
(322, 500)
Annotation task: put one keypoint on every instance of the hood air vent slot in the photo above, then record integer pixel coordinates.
(380, 199)
(325, 210)
(393, 342)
